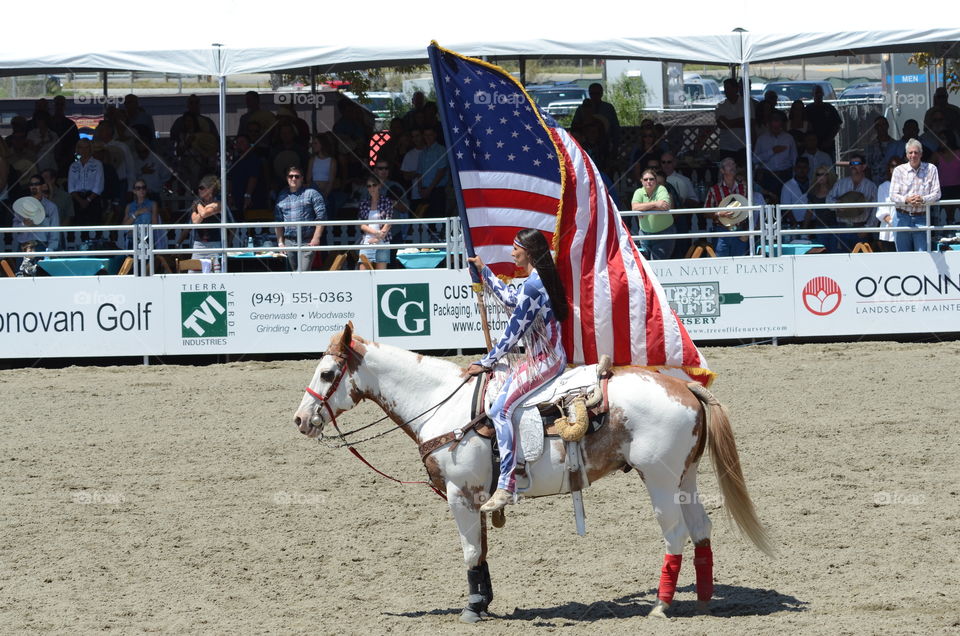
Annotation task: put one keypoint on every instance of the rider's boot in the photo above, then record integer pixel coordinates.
(500, 498)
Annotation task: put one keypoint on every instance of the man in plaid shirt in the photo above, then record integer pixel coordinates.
(913, 185)
(299, 203)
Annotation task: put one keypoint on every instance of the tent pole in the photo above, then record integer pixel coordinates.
(745, 82)
(223, 140)
(313, 102)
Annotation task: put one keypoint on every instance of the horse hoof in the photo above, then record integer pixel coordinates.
(659, 610)
(470, 616)
(499, 518)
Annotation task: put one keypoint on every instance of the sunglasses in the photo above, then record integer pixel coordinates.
(294, 176)
(648, 179)
(856, 163)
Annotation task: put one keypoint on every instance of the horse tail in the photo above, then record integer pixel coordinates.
(726, 463)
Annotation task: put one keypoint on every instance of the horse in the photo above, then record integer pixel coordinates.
(657, 425)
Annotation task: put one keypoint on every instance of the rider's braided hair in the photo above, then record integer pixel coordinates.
(539, 251)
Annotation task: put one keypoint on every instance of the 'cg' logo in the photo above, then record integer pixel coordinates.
(404, 310)
(203, 314)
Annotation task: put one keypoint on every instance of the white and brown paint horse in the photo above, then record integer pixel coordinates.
(658, 426)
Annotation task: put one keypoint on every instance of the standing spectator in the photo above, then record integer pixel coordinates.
(433, 171)
(376, 209)
(824, 121)
(137, 116)
(776, 154)
(823, 181)
(797, 126)
(120, 153)
(414, 117)
(913, 186)
(410, 170)
(245, 177)
(142, 211)
(898, 149)
(287, 151)
(85, 182)
(948, 170)
(795, 193)
(885, 213)
(201, 123)
(43, 141)
(149, 167)
(876, 152)
(299, 203)
(731, 124)
(322, 167)
(766, 111)
(206, 209)
(686, 198)
(651, 197)
(67, 134)
(942, 106)
(595, 107)
(855, 182)
(727, 185)
(264, 118)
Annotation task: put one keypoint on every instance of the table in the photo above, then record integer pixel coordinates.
(795, 249)
(422, 260)
(75, 266)
(250, 262)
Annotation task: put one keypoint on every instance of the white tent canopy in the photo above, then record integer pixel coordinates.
(181, 37)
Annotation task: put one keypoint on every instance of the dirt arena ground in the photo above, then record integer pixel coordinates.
(182, 499)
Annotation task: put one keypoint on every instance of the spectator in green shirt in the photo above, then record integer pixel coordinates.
(652, 197)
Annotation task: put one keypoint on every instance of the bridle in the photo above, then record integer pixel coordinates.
(325, 399)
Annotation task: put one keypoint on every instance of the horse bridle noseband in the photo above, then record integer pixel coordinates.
(325, 399)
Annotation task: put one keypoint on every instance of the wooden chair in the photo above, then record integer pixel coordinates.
(700, 249)
(126, 267)
(6, 268)
(366, 262)
(338, 262)
(188, 265)
(862, 248)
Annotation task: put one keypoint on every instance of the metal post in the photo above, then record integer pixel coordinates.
(745, 83)
(313, 102)
(105, 90)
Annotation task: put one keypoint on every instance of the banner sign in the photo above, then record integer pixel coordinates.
(730, 298)
(263, 313)
(82, 316)
(849, 294)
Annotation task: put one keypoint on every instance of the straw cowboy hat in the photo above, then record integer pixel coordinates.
(735, 202)
(850, 216)
(30, 209)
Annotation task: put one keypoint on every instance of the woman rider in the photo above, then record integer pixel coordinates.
(540, 301)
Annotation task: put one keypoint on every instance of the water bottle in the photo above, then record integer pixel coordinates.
(249, 242)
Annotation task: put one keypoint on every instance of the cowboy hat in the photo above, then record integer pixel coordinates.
(735, 202)
(30, 209)
(851, 215)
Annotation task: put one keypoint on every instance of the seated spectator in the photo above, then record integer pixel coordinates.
(652, 197)
(299, 203)
(143, 211)
(823, 180)
(795, 193)
(36, 211)
(775, 154)
(933, 134)
(856, 181)
(376, 209)
(60, 197)
(885, 214)
(814, 155)
(913, 186)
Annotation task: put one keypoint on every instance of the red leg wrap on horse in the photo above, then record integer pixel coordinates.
(668, 577)
(703, 563)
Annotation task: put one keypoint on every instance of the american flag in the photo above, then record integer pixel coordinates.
(517, 168)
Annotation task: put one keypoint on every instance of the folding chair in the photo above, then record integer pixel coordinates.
(126, 267)
(6, 268)
(189, 265)
(700, 249)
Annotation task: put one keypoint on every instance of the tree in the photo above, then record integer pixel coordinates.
(951, 71)
(629, 97)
